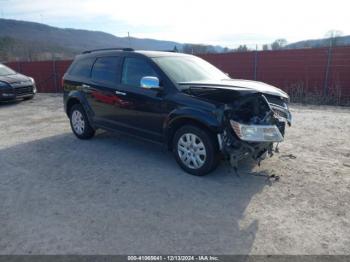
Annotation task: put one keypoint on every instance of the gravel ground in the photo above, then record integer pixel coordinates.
(117, 195)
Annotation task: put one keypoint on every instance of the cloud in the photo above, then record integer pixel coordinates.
(227, 22)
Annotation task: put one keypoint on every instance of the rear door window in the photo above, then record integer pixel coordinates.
(107, 70)
(134, 69)
(82, 68)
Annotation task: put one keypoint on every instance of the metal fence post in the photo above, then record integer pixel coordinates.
(54, 75)
(19, 66)
(256, 63)
(329, 60)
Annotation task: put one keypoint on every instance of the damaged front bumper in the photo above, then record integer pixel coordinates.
(256, 138)
(236, 149)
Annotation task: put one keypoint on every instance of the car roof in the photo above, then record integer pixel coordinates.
(159, 53)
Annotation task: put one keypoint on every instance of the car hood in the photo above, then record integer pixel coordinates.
(11, 79)
(236, 85)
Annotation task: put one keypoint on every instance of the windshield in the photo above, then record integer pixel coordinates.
(182, 69)
(5, 71)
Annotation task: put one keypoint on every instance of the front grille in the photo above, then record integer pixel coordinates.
(276, 100)
(21, 84)
(24, 90)
(280, 113)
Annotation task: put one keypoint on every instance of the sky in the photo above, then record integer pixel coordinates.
(217, 22)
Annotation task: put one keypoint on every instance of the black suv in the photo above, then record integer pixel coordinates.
(200, 113)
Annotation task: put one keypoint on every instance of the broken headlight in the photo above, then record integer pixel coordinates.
(257, 133)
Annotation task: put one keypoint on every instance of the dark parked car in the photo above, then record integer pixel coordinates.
(14, 85)
(200, 113)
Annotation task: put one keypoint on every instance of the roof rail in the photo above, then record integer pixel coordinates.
(108, 49)
(169, 51)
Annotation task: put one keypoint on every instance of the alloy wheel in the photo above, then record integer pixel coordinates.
(78, 122)
(191, 151)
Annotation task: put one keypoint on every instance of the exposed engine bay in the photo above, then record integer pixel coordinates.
(254, 117)
(263, 122)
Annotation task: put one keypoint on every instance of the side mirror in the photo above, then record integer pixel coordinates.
(150, 82)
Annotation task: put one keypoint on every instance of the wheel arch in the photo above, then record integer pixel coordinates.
(196, 118)
(70, 103)
(78, 98)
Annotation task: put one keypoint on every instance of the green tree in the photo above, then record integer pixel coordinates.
(266, 47)
(333, 36)
(279, 44)
(242, 48)
(195, 49)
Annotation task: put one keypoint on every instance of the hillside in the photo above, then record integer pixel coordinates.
(315, 43)
(22, 40)
(18, 38)
(73, 38)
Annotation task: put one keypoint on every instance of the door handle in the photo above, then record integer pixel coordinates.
(85, 86)
(120, 93)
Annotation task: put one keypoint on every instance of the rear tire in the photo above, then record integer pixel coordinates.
(195, 150)
(79, 123)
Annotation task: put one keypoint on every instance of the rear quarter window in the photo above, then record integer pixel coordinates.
(107, 70)
(82, 68)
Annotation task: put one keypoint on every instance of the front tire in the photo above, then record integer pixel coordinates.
(195, 150)
(79, 123)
